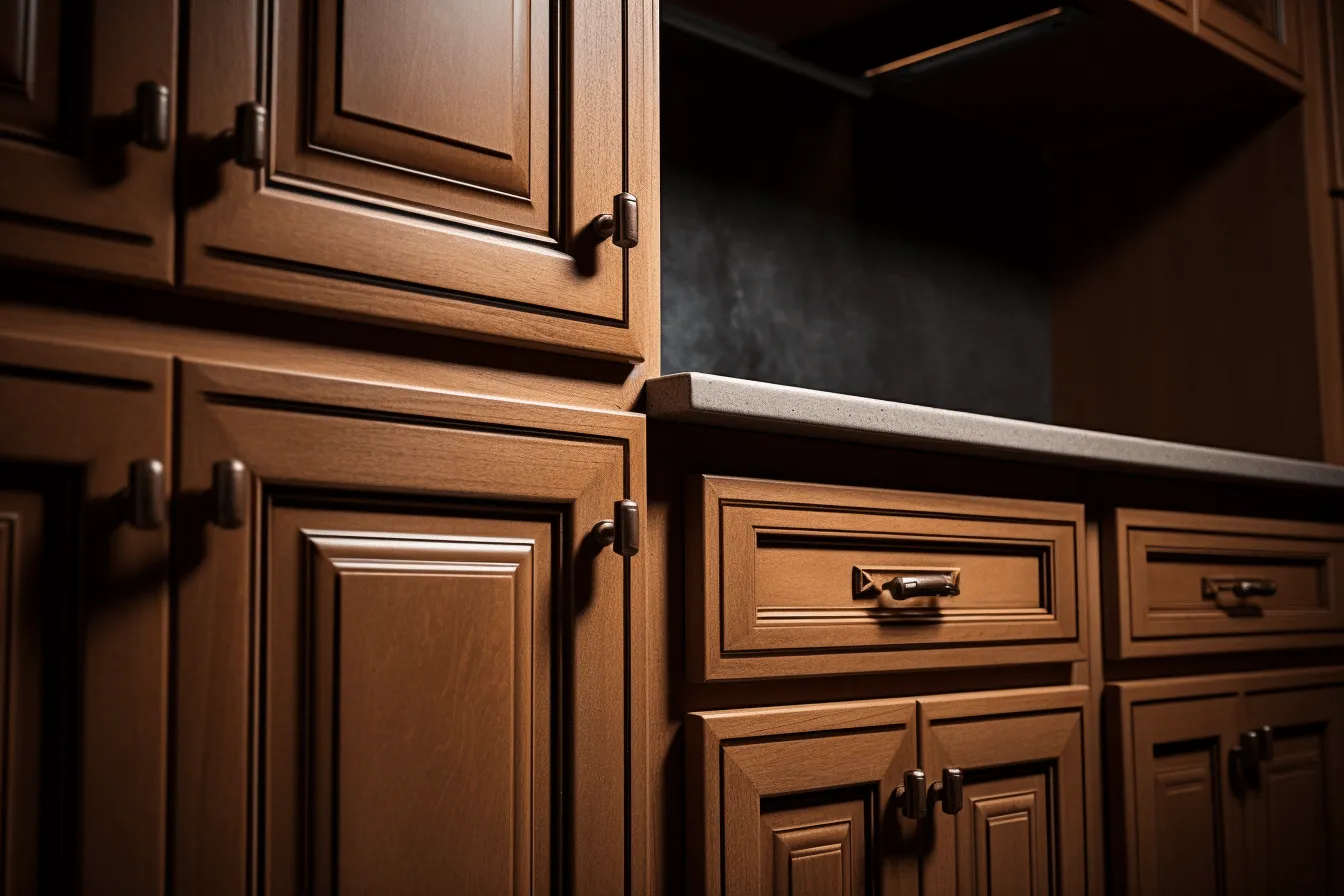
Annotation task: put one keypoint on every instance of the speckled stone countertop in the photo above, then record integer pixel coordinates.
(711, 400)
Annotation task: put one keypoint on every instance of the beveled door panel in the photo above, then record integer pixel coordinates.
(84, 636)
(389, 637)
(1179, 818)
(436, 643)
(78, 190)
(436, 163)
(797, 799)
(1294, 814)
(1022, 826)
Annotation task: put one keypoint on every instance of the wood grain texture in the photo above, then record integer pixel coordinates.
(74, 194)
(420, 223)
(88, 790)
(409, 686)
(1024, 825)
(73, 310)
(1159, 607)
(1179, 824)
(772, 566)
(325, 446)
(847, 758)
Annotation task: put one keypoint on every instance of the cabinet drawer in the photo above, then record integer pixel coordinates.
(1189, 583)
(786, 579)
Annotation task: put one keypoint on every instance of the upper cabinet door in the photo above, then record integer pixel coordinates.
(439, 164)
(84, 473)
(402, 663)
(1021, 824)
(1295, 801)
(1270, 29)
(86, 134)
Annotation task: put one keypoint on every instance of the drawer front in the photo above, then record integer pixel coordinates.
(799, 579)
(1189, 583)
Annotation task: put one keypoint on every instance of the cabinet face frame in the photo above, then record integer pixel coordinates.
(1184, 696)
(469, 266)
(1272, 540)
(55, 208)
(328, 437)
(727, 519)
(94, 412)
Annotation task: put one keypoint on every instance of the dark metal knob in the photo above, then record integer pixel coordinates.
(147, 501)
(948, 791)
(622, 532)
(246, 145)
(228, 494)
(912, 797)
(149, 122)
(622, 225)
(1264, 742)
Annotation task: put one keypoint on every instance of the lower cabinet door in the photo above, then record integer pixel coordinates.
(1185, 817)
(84, 455)
(1021, 826)
(1295, 801)
(797, 800)
(402, 655)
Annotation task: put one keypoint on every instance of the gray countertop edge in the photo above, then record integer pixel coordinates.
(744, 404)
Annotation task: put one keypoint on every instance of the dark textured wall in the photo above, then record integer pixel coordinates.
(817, 240)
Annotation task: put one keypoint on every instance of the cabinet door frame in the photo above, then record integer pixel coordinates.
(307, 431)
(1037, 725)
(1303, 699)
(52, 211)
(736, 758)
(98, 410)
(393, 263)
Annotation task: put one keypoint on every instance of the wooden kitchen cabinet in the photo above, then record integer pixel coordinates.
(1229, 783)
(807, 799)
(442, 165)
(84, 621)
(402, 657)
(87, 156)
(1271, 29)
(1295, 810)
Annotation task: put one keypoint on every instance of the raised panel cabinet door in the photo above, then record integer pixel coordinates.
(403, 660)
(84, 474)
(1178, 821)
(798, 800)
(1021, 826)
(1271, 29)
(86, 134)
(437, 163)
(1295, 802)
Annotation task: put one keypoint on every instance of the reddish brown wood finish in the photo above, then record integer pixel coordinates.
(85, 674)
(787, 800)
(1272, 29)
(772, 566)
(73, 192)
(1162, 559)
(439, 167)
(1182, 824)
(413, 606)
(1024, 825)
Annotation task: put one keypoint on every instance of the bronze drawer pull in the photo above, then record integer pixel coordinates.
(146, 499)
(1240, 588)
(933, 585)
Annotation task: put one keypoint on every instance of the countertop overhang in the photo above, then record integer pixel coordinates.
(711, 400)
